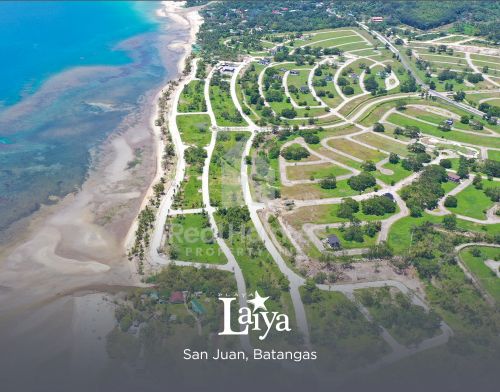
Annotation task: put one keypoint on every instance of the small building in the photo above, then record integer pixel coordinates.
(294, 72)
(197, 307)
(377, 19)
(328, 78)
(333, 241)
(283, 69)
(277, 77)
(177, 297)
(449, 121)
(265, 61)
(389, 196)
(453, 177)
(228, 69)
(304, 89)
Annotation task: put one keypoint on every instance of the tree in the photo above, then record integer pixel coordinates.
(378, 205)
(446, 163)
(348, 90)
(368, 166)
(377, 127)
(361, 182)
(477, 181)
(464, 119)
(393, 158)
(311, 138)
(294, 152)
(459, 96)
(450, 222)
(288, 113)
(348, 207)
(450, 201)
(328, 182)
(416, 148)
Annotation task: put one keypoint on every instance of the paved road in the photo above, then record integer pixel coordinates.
(419, 81)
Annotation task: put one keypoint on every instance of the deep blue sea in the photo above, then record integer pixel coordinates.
(70, 73)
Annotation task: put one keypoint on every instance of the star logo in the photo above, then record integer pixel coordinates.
(258, 302)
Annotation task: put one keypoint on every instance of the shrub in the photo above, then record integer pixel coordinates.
(294, 152)
(328, 182)
(450, 202)
(361, 182)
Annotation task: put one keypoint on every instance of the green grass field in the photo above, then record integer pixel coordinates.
(312, 191)
(398, 170)
(400, 235)
(493, 154)
(367, 241)
(432, 130)
(322, 170)
(324, 214)
(194, 129)
(383, 143)
(192, 98)
(488, 279)
(191, 239)
(189, 195)
(225, 112)
(356, 150)
(224, 175)
(299, 81)
(472, 202)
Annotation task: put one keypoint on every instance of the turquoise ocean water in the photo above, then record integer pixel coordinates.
(70, 73)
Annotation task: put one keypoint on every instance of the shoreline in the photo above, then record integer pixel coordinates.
(79, 242)
(191, 18)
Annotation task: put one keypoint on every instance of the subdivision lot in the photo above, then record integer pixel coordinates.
(194, 129)
(356, 150)
(191, 239)
(383, 143)
(322, 170)
(476, 264)
(472, 202)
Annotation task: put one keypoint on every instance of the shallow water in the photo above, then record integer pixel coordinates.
(81, 71)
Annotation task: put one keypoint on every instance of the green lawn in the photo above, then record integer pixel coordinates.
(383, 143)
(400, 235)
(356, 150)
(224, 109)
(399, 173)
(472, 202)
(348, 39)
(189, 195)
(488, 279)
(191, 239)
(224, 174)
(311, 191)
(194, 129)
(367, 241)
(325, 214)
(298, 81)
(458, 136)
(322, 170)
(192, 98)
(495, 155)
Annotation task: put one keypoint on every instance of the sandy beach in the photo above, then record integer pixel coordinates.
(82, 241)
